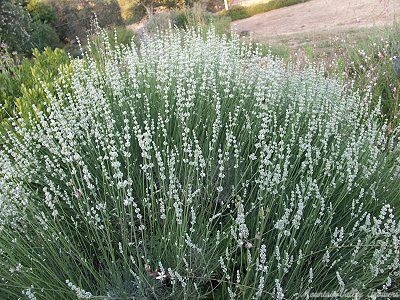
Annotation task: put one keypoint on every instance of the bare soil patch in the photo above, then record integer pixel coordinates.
(318, 16)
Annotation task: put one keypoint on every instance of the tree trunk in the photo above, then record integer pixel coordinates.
(149, 6)
(226, 4)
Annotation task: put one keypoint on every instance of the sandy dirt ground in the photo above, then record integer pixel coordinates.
(319, 16)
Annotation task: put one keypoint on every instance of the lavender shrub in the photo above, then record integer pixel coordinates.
(193, 167)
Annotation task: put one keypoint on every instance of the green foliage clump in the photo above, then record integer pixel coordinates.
(237, 12)
(193, 167)
(42, 11)
(241, 12)
(78, 18)
(23, 84)
(43, 36)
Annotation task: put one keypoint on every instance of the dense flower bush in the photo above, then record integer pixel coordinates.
(192, 167)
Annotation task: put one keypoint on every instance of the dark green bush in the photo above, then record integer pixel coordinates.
(43, 35)
(237, 12)
(75, 18)
(41, 11)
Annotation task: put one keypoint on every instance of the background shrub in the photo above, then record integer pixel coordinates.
(26, 28)
(42, 11)
(15, 26)
(237, 12)
(75, 18)
(43, 36)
